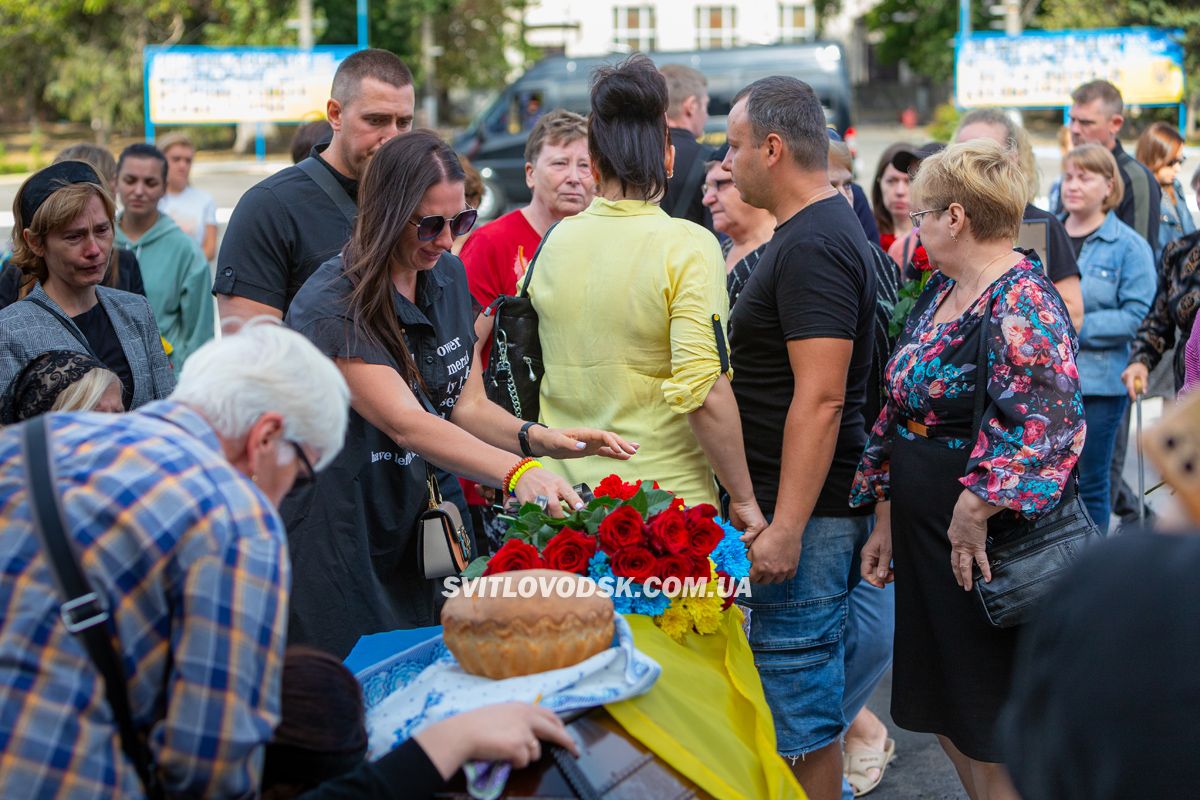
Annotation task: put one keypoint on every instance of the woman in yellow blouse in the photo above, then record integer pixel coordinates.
(632, 306)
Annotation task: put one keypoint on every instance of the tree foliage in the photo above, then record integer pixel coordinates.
(82, 59)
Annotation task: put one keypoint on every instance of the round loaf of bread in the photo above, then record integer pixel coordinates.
(553, 621)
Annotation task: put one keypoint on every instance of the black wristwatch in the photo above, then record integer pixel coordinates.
(523, 437)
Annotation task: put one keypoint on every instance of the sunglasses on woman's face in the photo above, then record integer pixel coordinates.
(429, 228)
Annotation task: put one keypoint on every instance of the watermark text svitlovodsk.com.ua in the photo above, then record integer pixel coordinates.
(576, 586)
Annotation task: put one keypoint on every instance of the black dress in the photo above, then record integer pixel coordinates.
(951, 670)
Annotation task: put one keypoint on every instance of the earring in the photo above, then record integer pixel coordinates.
(253, 478)
(670, 174)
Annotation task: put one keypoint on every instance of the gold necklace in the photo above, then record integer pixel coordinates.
(974, 294)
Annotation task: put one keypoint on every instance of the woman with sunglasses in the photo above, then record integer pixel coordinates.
(394, 313)
(632, 308)
(1160, 148)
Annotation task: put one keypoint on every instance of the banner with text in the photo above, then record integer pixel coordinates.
(1039, 69)
(207, 85)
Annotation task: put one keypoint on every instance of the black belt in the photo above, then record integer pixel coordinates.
(935, 431)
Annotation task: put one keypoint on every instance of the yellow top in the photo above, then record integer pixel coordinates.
(626, 299)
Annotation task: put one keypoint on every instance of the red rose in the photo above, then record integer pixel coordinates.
(634, 562)
(514, 555)
(612, 486)
(704, 511)
(673, 567)
(570, 550)
(705, 536)
(669, 532)
(622, 528)
(699, 568)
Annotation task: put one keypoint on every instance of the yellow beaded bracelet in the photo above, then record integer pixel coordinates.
(528, 465)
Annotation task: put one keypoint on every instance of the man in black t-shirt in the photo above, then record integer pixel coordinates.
(801, 351)
(286, 226)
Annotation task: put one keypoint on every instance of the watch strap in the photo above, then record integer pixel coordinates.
(523, 438)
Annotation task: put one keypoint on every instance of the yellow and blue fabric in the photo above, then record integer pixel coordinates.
(192, 559)
(706, 715)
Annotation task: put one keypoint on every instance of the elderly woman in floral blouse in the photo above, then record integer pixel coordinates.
(940, 477)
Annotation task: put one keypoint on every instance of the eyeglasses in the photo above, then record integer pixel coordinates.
(1178, 162)
(915, 216)
(429, 228)
(306, 474)
(716, 187)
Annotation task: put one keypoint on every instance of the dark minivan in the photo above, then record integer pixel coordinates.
(495, 140)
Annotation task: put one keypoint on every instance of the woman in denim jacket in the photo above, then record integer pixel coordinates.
(1117, 269)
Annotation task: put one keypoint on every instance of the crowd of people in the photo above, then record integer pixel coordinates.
(724, 318)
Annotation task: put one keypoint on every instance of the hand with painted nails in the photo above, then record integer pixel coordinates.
(540, 482)
(579, 442)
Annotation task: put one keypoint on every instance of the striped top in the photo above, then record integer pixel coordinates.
(191, 558)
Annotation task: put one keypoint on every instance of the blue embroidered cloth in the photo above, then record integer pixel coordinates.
(424, 684)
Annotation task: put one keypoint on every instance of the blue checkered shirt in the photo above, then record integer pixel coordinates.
(193, 560)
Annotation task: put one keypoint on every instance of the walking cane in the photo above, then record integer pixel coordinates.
(1138, 388)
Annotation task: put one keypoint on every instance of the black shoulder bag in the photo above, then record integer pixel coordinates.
(330, 186)
(514, 372)
(85, 612)
(1027, 557)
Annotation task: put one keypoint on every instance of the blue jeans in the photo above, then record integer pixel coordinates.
(870, 629)
(797, 633)
(1103, 415)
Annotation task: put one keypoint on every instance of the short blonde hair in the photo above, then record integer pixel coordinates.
(840, 156)
(85, 393)
(175, 139)
(59, 211)
(1095, 158)
(1016, 139)
(682, 82)
(980, 177)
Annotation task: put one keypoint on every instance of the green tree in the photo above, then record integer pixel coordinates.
(921, 33)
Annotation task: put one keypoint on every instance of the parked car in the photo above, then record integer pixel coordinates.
(495, 140)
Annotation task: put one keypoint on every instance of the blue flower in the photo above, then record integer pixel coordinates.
(632, 601)
(730, 554)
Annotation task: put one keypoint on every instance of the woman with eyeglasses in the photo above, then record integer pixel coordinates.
(1160, 148)
(748, 228)
(945, 477)
(632, 310)
(394, 313)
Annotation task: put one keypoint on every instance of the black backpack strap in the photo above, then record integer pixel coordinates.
(85, 612)
(70, 326)
(333, 189)
(529, 270)
(691, 184)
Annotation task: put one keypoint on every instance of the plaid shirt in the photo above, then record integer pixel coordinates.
(193, 561)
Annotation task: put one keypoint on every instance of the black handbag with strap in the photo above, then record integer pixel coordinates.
(514, 372)
(1026, 556)
(85, 611)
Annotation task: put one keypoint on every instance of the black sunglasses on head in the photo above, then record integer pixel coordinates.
(429, 228)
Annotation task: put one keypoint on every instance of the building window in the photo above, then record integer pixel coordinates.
(797, 22)
(716, 26)
(633, 28)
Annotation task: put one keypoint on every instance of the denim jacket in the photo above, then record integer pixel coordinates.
(1116, 268)
(1176, 220)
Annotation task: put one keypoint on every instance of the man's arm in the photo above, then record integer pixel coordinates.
(256, 258)
(210, 241)
(243, 309)
(819, 369)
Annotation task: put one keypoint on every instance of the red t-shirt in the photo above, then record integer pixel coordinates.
(496, 256)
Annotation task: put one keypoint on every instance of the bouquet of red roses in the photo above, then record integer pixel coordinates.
(651, 554)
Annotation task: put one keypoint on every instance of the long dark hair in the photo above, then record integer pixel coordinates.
(392, 187)
(627, 129)
(883, 217)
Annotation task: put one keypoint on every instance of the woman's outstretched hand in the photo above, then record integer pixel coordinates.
(540, 485)
(580, 442)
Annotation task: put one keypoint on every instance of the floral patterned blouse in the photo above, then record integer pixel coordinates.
(1032, 428)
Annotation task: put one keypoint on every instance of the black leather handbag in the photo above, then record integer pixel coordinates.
(514, 372)
(1028, 556)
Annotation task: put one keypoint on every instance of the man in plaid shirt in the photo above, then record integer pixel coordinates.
(171, 513)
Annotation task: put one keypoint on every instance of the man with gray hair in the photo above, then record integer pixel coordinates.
(802, 345)
(687, 113)
(171, 512)
(1097, 116)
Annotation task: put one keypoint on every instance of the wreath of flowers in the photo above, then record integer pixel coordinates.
(634, 531)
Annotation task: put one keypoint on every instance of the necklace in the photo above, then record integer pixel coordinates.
(974, 292)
